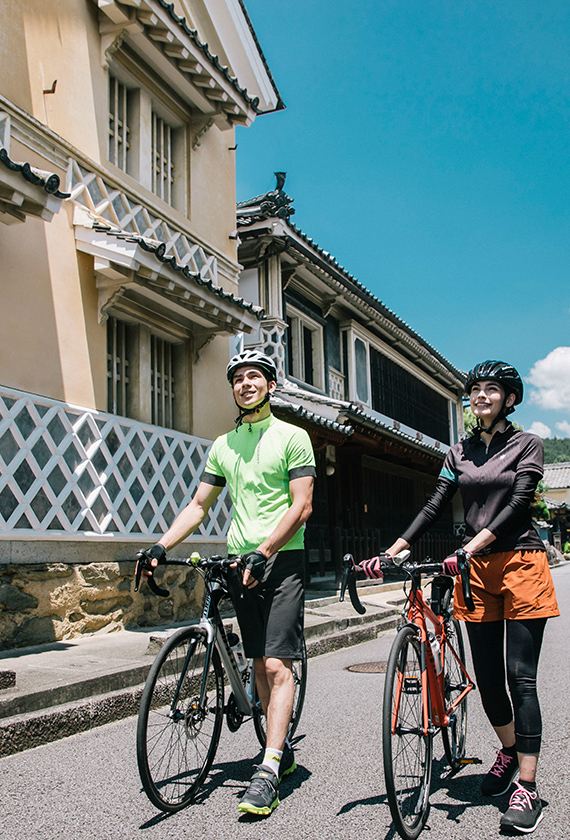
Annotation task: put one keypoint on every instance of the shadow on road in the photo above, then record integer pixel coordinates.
(236, 775)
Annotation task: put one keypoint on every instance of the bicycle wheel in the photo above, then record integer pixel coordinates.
(454, 682)
(300, 681)
(407, 750)
(177, 732)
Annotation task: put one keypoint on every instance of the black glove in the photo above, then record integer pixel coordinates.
(256, 561)
(145, 565)
(156, 552)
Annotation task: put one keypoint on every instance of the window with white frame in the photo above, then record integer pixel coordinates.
(304, 348)
(118, 123)
(392, 390)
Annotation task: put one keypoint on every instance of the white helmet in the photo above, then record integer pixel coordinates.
(252, 357)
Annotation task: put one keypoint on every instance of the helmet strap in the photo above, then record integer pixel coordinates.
(243, 412)
(502, 415)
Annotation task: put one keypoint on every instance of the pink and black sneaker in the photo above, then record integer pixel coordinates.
(524, 812)
(499, 778)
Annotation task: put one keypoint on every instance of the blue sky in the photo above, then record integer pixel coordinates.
(427, 147)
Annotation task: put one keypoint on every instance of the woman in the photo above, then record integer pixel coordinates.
(497, 470)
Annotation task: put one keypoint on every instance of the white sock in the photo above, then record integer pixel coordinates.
(272, 759)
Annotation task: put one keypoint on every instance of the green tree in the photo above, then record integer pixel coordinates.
(469, 420)
(556, 450)
(538, 508)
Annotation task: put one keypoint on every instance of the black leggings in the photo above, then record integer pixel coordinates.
(524, 640)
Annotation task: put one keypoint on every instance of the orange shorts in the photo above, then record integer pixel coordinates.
(509, 584)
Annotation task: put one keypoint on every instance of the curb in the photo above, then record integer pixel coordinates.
(37, 727)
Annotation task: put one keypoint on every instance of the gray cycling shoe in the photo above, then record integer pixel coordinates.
(262, 795)
(288, 763)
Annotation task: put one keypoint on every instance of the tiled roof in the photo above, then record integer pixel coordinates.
(554, 504)
(204, 48)
(363, 415)
(557, 476)
(280, 105)
(270, 205)
(159, 251)
(350, 411)
(49, 181)
(299, 411)
(277, 204)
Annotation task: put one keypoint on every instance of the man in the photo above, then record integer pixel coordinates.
(269, 467)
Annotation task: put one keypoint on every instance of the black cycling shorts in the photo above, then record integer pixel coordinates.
(270, 616)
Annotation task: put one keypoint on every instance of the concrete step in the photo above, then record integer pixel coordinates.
(33, 716)
(36, 727)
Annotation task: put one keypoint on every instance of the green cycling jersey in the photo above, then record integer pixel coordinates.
(257, 461)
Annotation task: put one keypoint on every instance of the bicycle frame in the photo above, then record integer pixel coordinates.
(418, 613)
(211, 623)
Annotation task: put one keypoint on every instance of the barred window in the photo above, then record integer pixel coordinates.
(162, 381)
(117, 367)
(162, 163)
(119, 130)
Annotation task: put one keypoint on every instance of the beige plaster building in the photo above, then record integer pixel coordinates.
(120, 294)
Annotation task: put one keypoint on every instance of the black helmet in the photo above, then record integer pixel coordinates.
(501, 372)
(252, 357)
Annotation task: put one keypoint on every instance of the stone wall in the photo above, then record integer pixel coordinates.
(52, 601)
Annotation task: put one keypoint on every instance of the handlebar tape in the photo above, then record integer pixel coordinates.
(143, 562)
(349, 578)
(465, 570)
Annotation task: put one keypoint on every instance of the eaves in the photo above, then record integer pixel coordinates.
(157, 22)
(127, 260)
(349, 288)
(350, 416)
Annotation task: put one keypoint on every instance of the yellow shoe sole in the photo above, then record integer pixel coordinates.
(248, 808)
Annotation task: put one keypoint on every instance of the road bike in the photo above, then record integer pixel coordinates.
(426, 686)
(182, 705)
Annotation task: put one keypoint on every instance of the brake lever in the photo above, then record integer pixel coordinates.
(349, 578)
(143, 563)
(464, 570)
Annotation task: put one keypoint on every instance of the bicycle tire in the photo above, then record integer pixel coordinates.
(407, 751)
(300, 680)
(176, 747)
(454, 681)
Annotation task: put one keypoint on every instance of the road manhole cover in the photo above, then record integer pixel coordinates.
(368, 668)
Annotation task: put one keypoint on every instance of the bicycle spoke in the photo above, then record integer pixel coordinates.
(454, 684)
(179, 722)
(407, 750)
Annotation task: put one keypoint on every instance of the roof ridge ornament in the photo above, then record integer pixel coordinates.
(275, 204)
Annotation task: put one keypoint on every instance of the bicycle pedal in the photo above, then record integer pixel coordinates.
(470, 761)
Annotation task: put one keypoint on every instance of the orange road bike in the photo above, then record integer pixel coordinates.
(426, 686)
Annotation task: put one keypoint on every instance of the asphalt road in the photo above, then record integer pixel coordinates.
(87, 786)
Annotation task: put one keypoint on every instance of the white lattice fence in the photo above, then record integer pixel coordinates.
(70, 472)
